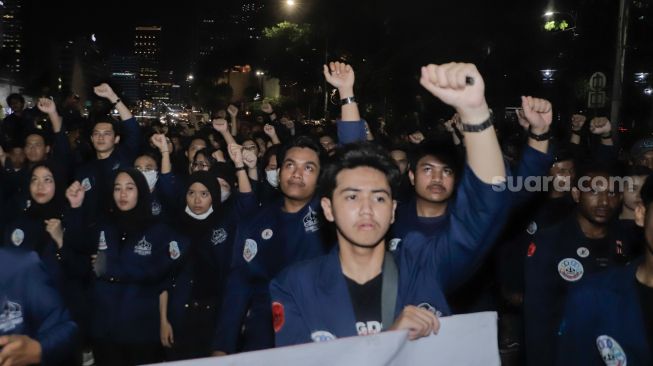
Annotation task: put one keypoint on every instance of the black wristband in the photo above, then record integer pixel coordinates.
(543, 137)
(113, 105)
(348, 100)
(240, 168)
(609, 136)
(574, 132)
(480, 127)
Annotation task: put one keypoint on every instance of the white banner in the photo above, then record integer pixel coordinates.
(463, 340)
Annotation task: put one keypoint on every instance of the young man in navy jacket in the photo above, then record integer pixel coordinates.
(347, 292)
(609, 318)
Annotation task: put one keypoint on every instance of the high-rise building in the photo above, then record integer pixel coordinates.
(250, 12)
(147, 48)
(12, 38)
(125, 73)
(81, 64)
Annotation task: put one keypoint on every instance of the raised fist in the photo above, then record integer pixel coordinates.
(75, 194)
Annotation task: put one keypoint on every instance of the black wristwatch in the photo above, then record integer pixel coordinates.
(542, 137)
(478, 128)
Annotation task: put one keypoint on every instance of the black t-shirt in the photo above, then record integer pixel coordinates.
(646, 301)
(366, 300)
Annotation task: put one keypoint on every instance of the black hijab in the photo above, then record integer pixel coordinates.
(54, 208)
(191, 226)
(139, 217)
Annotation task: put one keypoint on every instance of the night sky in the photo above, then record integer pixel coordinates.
(502, 37)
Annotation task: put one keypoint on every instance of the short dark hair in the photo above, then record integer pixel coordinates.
(304, 142)
(441, 149)
(110, 120)
(13, 96)
(360, 154)
(33, 131)
(596, 169)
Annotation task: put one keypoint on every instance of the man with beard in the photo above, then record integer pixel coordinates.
(588, 241)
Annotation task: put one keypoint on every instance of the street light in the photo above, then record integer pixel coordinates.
(290, 3)
(548, 13)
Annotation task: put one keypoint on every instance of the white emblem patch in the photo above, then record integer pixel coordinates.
(173, 249)
(322, 336)
(102, 242)
(250, 250)
(219, 236)
(116, 166)
(143, 247)
(156, 208)
(86, 184)
(532, 228)
(611, 352)
(17, 237)
(311, 221)
(11, 316)
(392, 246)
(570, 269)
(267, 234)
(583, 252)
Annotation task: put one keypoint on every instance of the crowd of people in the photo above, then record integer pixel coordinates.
(126, 244)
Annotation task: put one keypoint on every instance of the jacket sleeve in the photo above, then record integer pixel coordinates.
(289, 326)
(56, 332)
(351, 131)
(475, 219)
(131, 139)
(532, 164)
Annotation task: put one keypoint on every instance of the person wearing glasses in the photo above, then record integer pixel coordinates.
(116, 145)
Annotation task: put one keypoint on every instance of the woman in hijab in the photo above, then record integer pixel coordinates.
(135, 255)
(39, 228)
(189, 307)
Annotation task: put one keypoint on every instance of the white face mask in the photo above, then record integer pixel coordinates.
(151, 176)
(272, 177)
(224, 195)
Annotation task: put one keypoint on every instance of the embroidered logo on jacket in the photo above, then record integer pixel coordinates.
(322, 336)
(102, 242)
(219, 236)
(173, 250)
(86, 185)
(10, 317)
(17, 237)
(311, 222)
(143, 247)
(250, 250)
(611, 352)
(394, 243)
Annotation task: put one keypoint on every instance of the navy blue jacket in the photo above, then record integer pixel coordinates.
(607, 304)
(31, 306)
(97, 176)
(217, 247)
(558, 256)
(272, 241)
(314, 297)
(125, 296)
